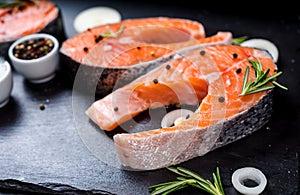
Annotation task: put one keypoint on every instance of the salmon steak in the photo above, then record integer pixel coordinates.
(118, 53)
(28, 17)
(211, 78)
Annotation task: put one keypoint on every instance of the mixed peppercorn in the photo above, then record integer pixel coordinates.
(33, 49)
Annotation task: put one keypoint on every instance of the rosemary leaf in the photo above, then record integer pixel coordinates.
(279, 85)
(199, 186)
(8, 4)
(161, 185)
(207, 188)
(256, 66)
(168, 187)
(175, 170)
(264, 88)
(192, 174)
(262, 77)
(189, 178)
(275, 75)
(261, 82)
(216, 183)
(250, 84)
(174, 189)
(14, 4)
(246, 77)
(181, 178)
(239, 40)
(111, 34)
(219, 180)
(269, 79)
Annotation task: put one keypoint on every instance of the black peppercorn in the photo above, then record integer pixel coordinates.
(187, 117)
(239, 70)
(42, 107)
(98, 38)
(155, 81)
(221, 99)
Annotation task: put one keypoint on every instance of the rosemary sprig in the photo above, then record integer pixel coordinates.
(111, 34)
(9, 4)
(239, 40)
(188, 178)
(16, 4)
(262, 82)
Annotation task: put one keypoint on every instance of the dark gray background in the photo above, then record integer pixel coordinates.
(44, 146)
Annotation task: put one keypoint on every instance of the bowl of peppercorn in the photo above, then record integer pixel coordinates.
(35, 57)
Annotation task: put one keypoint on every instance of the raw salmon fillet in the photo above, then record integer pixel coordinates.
(139, 46)
(136, 33)
(31, 18)
(212, 77)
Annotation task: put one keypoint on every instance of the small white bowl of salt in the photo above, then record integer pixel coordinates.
(6, 82)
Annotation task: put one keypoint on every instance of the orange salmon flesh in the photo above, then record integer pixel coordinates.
(140, 40)
(16, 22)
(212, 77)
(186, 81)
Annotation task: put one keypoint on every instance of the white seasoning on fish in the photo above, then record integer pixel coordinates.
(125, 40)
(228, 83)
(107, 48)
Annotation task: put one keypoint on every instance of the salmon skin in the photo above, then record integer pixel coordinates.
(42, 16)
(211, 77)
(139, 46)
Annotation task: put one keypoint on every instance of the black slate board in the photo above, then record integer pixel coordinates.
(41, 150)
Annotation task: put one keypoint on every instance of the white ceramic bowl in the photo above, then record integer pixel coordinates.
(6, 82)
(37, 70)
